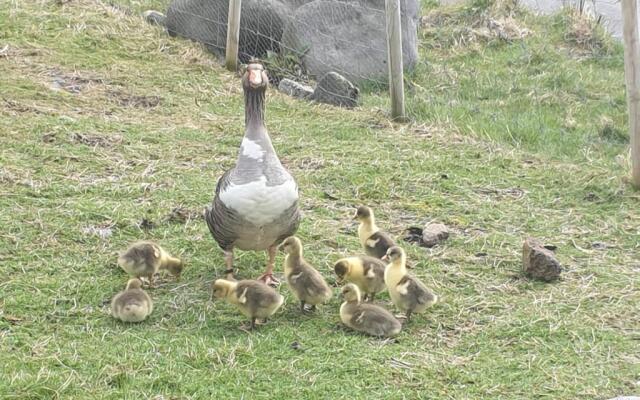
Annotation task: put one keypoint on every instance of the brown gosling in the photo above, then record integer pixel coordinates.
(364, 271)
(367, 318)
(305, 282)
(145, 259)
(374, 241)
(407, 292)
(254, 299)
(132, 304)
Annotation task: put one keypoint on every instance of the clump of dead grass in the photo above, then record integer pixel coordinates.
(482, 21)
(584, 32)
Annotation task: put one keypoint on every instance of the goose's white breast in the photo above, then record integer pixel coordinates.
(258, 203)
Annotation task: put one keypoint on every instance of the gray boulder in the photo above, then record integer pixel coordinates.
(261, 24)
(336, 90)
(295, 89)
(349, 37)
(154, 17)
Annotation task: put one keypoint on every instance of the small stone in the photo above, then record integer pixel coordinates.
(336, 90)
(432, 234)
(154, 17)
(49, 137)
(146, 224)
(539, 262)
(295, 89)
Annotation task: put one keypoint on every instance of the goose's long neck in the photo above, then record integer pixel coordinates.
(254, 114)
(256, 148)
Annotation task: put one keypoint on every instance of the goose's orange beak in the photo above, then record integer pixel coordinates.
(255, 78)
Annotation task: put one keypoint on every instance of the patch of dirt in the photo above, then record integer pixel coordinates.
(16, 107)
(72, 83)
(103, 230)
(96, 140)
(182, 215)
(128, 100)
(513, 193)
(146, 224)
(413, 235)
(7, 177)
(309, 163)
(49, 137)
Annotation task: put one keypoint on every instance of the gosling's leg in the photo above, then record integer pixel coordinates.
(409, 315)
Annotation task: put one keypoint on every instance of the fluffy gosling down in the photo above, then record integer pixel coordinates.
(305, 282)
(407, 292)
(374, 241)
(132, 304)
(367, 318)
(254, 299)
(145, 259)
(364, 271)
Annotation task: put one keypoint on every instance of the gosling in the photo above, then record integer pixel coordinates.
(305, 282)
(407, 292)
(374, 241)
(365, 272)
(146, 259)
(253, 298)
(133, 304)
(367, 318)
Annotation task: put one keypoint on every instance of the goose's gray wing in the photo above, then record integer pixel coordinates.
(290, 219)
(220, 218)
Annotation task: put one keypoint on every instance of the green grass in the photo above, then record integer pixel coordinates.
(73, 165)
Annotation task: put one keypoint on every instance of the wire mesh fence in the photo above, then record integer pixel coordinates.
(306, 41)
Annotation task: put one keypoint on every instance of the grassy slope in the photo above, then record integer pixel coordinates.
(495, 335)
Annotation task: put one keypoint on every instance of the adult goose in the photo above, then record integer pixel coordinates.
(255, 206)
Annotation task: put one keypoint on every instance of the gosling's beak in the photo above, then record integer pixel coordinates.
(385, 258)
(281, 247)
(355, 216)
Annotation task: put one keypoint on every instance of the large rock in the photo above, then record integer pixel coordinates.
(336, 90)
(261, 24)
(349, 37)
(295, 89)
(432, 234)
(539, 262)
